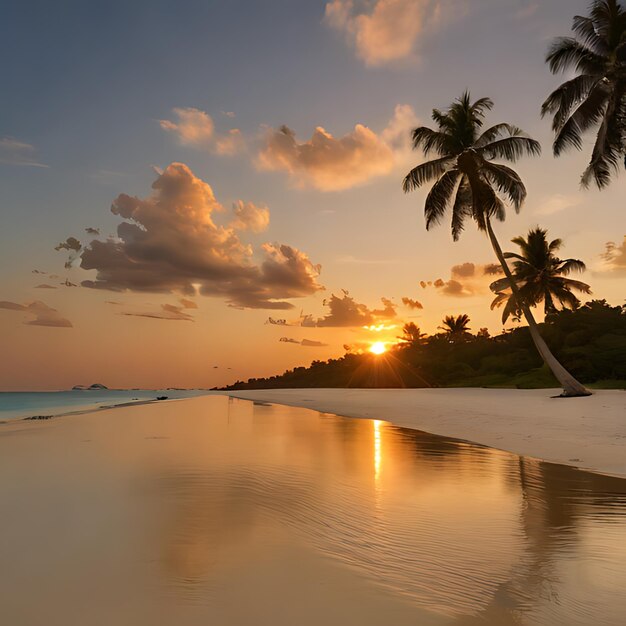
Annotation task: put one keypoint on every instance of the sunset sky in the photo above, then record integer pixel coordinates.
(209, 165)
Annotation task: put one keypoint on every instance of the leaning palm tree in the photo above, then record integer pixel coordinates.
(456, 328)
(596, 96)
(540, 276)
(470, 183)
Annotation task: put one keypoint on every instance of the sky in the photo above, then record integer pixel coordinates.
(222, 181)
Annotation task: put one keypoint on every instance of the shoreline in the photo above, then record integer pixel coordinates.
(587, 433)
(84, 411)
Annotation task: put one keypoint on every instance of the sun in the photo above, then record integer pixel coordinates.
(378, 347)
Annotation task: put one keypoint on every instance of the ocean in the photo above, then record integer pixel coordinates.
(21, 404)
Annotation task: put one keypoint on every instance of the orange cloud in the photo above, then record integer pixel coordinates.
(412, 304)
(383, 31)
(169, 242)
(196, 128)
(614, 257)
(328, 163)
(40, 314)
(344, 312)
(250, 216)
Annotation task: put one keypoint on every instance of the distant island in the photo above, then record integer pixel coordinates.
(94, 387)
(590, 341)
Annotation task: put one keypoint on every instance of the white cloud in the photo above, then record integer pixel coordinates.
(15, 152)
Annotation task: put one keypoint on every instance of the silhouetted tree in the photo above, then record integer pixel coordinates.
(540, 276)
(412, 334)
(456, 328)
(468, 182)
(596, 96)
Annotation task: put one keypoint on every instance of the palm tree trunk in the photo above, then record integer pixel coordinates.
(571, 387)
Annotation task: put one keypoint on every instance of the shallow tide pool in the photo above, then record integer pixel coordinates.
(226, 512)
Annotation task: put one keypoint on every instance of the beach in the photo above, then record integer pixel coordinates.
(588, 433)
(228, 511)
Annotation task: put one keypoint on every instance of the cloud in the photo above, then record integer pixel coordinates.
(45, 286)
(230, 143)
(307, 343)
(384, 31)
(195, 128)
(250, 216)
(464, 270)
(70, 244)
(328, 163)
(15, 152)
(557, 203)
(492, 269)
(527, 10)
(345, 311)
(412, 304)
(614, 257)
(67, 283)
(92, 231)
(188, 304)
(168, 312)
(40, 314)
(168, 242)
(73, 246)
(466, 280)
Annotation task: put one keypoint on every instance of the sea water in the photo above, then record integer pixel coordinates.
(21, 404)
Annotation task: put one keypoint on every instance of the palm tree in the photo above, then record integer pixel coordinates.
(411, 334)
(469, 182)
(540, 276)
(456, 328)
(596, 96)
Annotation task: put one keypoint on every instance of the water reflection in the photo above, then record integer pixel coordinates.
(473, 534)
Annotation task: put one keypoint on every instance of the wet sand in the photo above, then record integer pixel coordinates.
(589, 433)
(221, 511)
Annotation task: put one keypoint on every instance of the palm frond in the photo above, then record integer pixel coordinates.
(568, 53)
(430, 140)
(586, 29)
(495, 132)
(588, 113)
(507, 181)
(562, 100)
(610, 145)
(440, 197)
(571, 265)
(425, 172)
(511, 148)
(569, 283)
(462, 208)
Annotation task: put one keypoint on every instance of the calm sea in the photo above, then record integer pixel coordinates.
(19, 404)
(229, 513)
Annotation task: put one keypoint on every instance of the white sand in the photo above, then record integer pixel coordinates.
(589, 433)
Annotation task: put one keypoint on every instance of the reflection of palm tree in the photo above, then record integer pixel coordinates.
(467, 180)
(597, 95)
(456, 328)
(540, 276)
